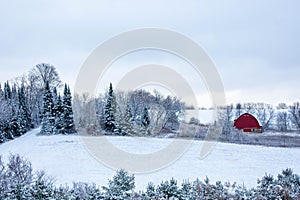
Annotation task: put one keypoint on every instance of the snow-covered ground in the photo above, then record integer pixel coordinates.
(66, 159)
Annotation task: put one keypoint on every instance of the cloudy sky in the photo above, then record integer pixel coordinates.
(254, 44)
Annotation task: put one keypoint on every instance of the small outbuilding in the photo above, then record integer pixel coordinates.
(247, 123)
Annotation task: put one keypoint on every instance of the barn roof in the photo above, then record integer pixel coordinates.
(246, 120)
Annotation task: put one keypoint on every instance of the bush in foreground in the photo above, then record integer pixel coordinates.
(18, 181)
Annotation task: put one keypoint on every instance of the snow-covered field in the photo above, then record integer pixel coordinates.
(66, 159)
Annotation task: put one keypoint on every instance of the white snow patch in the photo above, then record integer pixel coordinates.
(66, 158)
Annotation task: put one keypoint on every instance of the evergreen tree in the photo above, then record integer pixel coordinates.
(54, 94)
(68, 124)
(109, 110)
(145, 118)
(150, 191)
(121, 186)
(59, 116)
(2, 136)
(23, 120)
(13, 103)
(7, 91)
(168, 189)
(129, 122)
(1, 93)
(48, 119)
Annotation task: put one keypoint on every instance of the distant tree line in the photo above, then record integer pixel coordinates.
(137, 112)
(19, 181)
(282, 118)
(32, 100)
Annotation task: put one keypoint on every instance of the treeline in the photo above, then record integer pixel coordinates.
(136, 112)
(32, 100)
(19, 181)
(282, 118)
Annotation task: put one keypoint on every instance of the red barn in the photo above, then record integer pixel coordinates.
(247, 123)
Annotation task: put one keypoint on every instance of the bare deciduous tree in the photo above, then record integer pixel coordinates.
(43, 73)
(265, 114)
(282, 121)
(295, 115)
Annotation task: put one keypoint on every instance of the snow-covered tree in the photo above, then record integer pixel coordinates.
(295, 115)
(145, 118)
(23, 120)
(145, 121)
(68, 117)
(48, 121)
(85, 114)
(186, 191)
(7, 91)
(282, 121)
(168, 189)
(59, 116)
(121, 186)
(173, 108)
(109, 112)
(19, 172)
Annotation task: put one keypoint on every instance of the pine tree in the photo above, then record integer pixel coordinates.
(129, 122)
(48, 120)
(68, 126)
(14, 105)
(109, 110)
(2, 136)
(54, 94)
(23, 120)
(145, 118)
(7, 91)
(121, 186)
(59, 116)
(1, 92)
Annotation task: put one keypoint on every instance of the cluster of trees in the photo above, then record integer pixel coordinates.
(15, 116)
(283, 118)
(136, 112)
(18, 181)
(57, 116)
(33, 100)
(25, 103)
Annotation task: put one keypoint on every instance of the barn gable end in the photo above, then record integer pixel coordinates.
(247, 123)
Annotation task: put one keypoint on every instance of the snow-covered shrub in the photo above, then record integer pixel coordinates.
(18, 182)
(16, 178)
(186, 191)
(168, 189)
(150, 191)
(121, 186)
(290, 184)
(42, 186)
(62, 192)
(286, 186)
(84, 191)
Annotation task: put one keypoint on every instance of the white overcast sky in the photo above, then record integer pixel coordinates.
(255, 44)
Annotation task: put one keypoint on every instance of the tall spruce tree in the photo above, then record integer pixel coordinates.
(109, 111)
(128, 127)
(48, 120)
(68, 117)
(1, 92)
(59, 116)
(23, 120)
(13, 103)
(7, 91)
(145, 118)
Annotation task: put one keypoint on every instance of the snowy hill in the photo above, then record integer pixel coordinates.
(66, 159)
